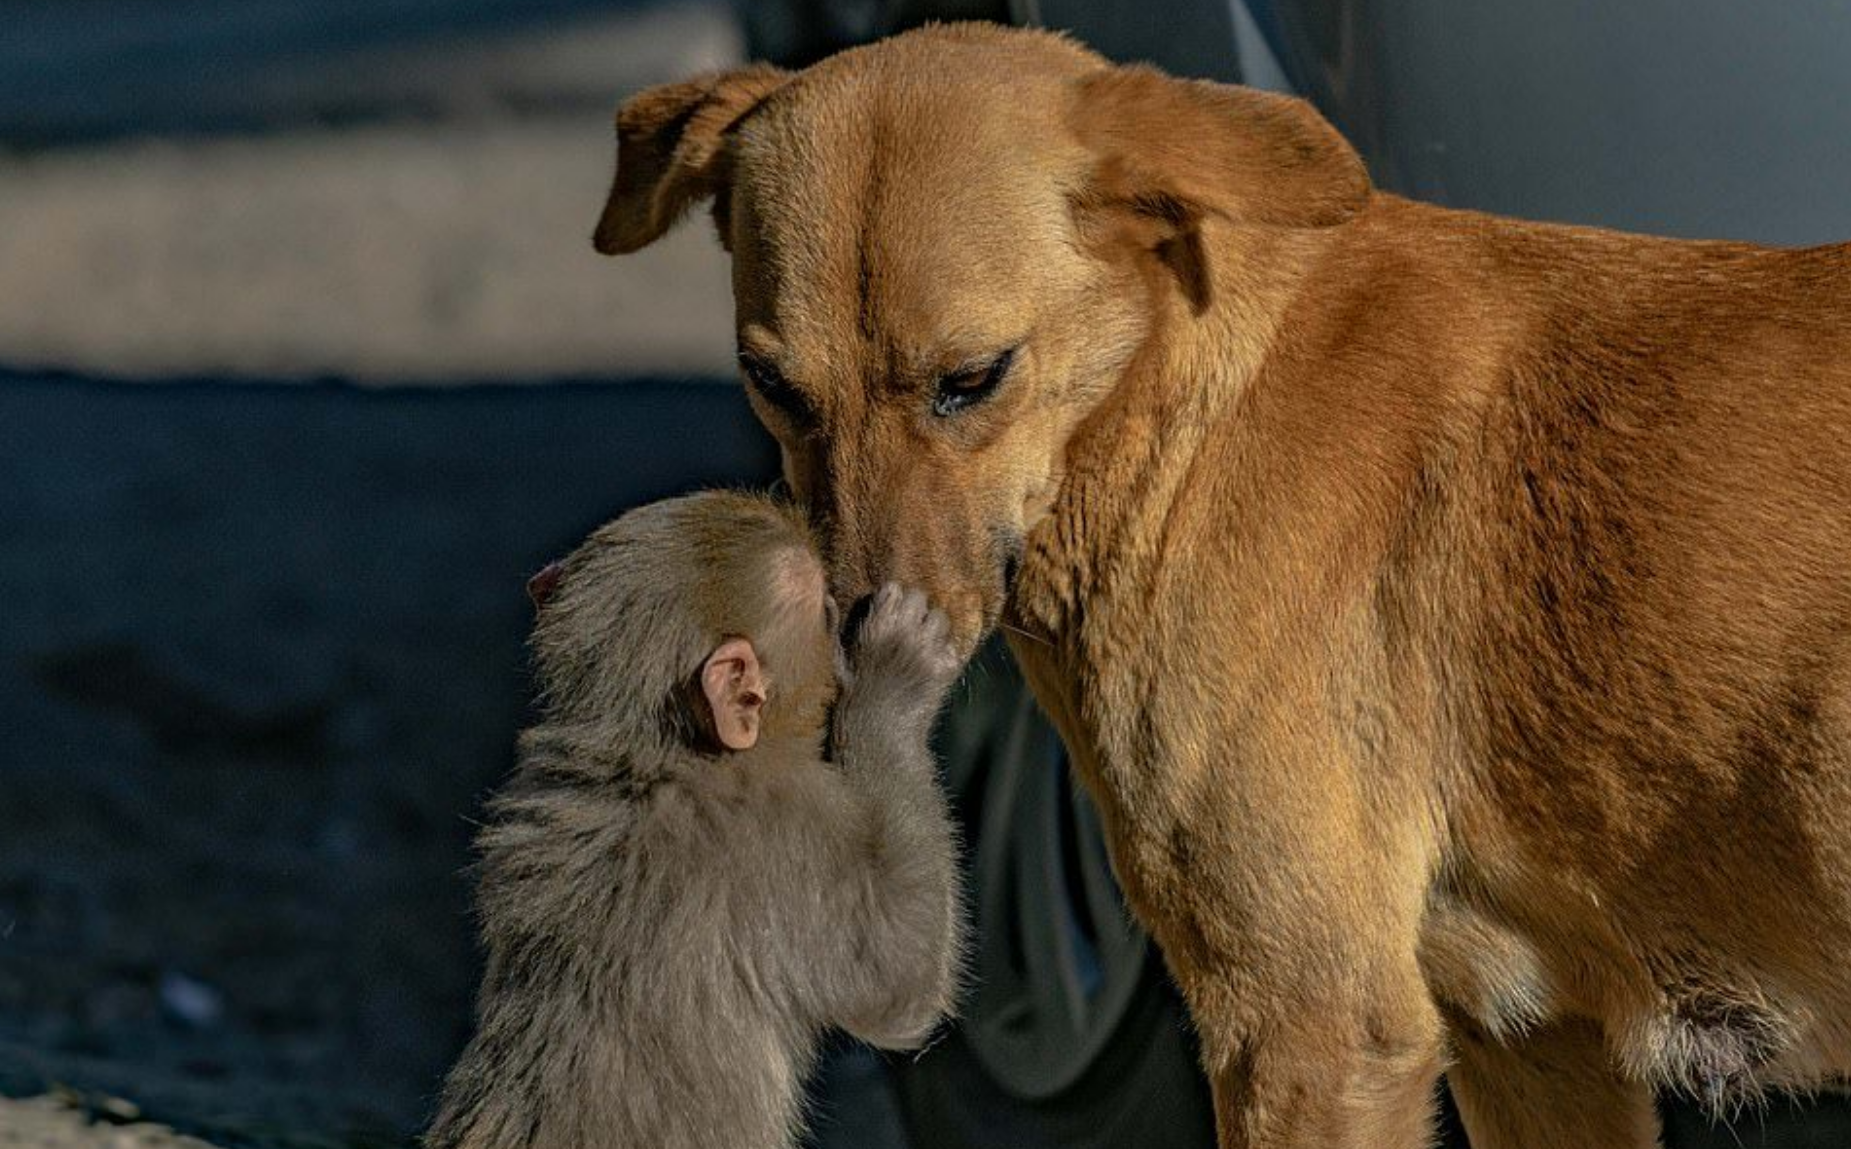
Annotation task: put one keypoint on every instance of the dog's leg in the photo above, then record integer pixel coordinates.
(1554, 1089)
(1326, 1077)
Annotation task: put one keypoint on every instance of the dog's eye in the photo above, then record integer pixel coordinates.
(961, 389)
(776, 390)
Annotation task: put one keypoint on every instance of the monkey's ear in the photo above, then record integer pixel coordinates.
(671, 152)
(541, 586)
(734, 686)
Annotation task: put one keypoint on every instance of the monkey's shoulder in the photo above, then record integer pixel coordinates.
(743, 787)
(742, 814)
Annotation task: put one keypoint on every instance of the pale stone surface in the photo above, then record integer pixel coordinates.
(443, 252)
(52, 1123)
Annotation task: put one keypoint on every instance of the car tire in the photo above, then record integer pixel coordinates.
(1071, 1035)
(1144, 1092)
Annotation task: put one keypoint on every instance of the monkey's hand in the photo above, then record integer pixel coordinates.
(900, 974)
(902, 661)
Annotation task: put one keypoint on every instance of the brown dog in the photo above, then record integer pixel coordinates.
(1450, 615)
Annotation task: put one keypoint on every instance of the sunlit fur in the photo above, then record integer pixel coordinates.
(1451, 615)
(671, 927)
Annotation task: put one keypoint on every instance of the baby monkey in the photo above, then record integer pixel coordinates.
(694, 870)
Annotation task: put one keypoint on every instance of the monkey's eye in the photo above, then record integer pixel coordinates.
(971, 386)
(776, 390)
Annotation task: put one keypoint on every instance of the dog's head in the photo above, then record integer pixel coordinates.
(947, 248)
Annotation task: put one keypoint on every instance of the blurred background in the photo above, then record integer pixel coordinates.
(306, 362)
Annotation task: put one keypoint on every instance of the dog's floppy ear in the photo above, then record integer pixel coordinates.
(671, 152)
(1193, 147)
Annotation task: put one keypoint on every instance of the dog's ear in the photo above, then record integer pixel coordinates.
(671, 152)
(1194, 147)
(1169, 152)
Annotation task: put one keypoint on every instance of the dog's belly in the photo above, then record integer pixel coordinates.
(1724, 1043)
(1715, 1034)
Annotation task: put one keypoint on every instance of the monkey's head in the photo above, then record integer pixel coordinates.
(702, 622)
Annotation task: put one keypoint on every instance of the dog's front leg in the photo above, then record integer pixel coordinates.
(1360, 1078)
(1289, 910)
(1553, 1089)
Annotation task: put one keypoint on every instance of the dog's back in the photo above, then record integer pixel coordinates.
(1644, 488)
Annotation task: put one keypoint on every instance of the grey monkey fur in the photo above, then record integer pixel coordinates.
(669, 931)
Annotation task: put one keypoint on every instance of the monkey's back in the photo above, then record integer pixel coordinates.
(648, 940)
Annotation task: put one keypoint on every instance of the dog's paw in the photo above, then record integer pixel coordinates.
(906, 642)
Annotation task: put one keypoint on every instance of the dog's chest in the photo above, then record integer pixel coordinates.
(1131, 786)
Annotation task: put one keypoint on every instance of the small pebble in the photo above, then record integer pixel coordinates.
(191, 1001)
(116, 1109)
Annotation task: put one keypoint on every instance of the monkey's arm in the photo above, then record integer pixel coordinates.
(905, 923)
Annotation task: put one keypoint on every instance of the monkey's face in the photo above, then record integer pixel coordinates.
(799, 644)
(717, 581)
(778, 679)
